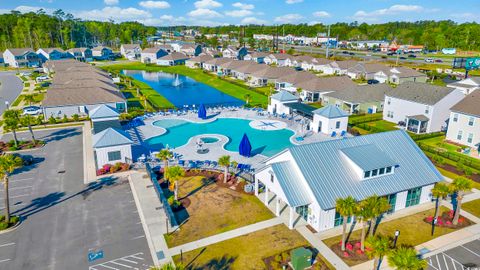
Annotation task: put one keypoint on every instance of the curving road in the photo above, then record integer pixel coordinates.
(10, 88)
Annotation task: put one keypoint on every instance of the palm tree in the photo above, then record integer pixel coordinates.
(29, 99)
(440, 191)
(460, 186)
(405, 258)
(378, 247)
(365, 213)
(174, 174)
(346, 207)
(247, 98)
(143, 98)
(28, 120)
(11, 123)
(234, 165)
(8, 164)
(225, 162)
(378, 206)
(165, 155)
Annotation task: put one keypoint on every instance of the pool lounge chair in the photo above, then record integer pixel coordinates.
(334, 134)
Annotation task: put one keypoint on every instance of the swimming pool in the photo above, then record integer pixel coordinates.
(181, 90)
(263, 142)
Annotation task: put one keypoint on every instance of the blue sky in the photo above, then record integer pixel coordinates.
(218, 12)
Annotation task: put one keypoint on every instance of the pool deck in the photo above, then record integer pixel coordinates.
(188, 151)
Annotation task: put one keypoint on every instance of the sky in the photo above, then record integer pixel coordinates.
(269, 12)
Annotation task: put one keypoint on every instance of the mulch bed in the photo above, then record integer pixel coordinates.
(445, 220)
(22, 145)
(453, 169)
(280, 260)
(185, 202)
(352, 251)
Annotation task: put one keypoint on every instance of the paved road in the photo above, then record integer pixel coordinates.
(65, 220)
(466, 256)
(10, 87)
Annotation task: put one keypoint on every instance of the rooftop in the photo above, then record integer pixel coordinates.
(283, 95)
(420, 92)
(330, 111)
(110, 137)
(469, 105)
(103, 111)
(368, 157)
(362, 93)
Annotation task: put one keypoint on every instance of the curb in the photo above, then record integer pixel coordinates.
(25, 150)
(13, 228)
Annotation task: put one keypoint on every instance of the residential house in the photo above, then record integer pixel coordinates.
(226, 68)
(190, 50)
(313, 90)
(151, 55)
(258, 57)
(173, 59)
(308, 179)
(244, 72)
(166, 47)
(21, 57)
(398, 75)
(279, 59)
(338, 67)
(104, 117)
(197, 62)
(234, 53)
(81, 54)
(358, 99)
(52, 54)
(297, 61)
(268, 75)
(330, 120)
(315, 64)
(464, 121)
(131, 51)
(366, 71)
(420, 107)
(278, 101)
(102, 53)
(467, 86)
(289, 81)
(213, 64)
(110, 146)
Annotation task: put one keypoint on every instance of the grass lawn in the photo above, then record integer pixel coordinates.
(473, 207)
(155, 99)
(413, 231)
(214, 210)
(383, 125)
(244, 252)
(224, 86)
(441, 143)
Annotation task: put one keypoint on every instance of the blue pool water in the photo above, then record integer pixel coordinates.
(263, 142)
(181, 90)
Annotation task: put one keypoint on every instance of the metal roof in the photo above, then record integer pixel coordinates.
(330, 177)
(283, 95)
(111, 137)
(289, 180)
(302, 108)
(331, 111)
(368, 157)
(103, 111)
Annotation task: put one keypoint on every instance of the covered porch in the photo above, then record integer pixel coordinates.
(417, 123)
(301, 109)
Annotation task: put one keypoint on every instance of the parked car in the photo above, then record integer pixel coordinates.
(32, 110)
(429, 60)
(345, 52)
(438, 61)
(27, 159)
(390, 53)
(412, 56)
(384, 56)
(351, 53)
(403, 57)
(372, 81)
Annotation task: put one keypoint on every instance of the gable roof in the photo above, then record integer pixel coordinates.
(325, 84)
(329, 176)
(201, 58)
(283, 95)
(331, 111)
(153, 49)
(110, 137)
(81, 50)
(289, 180)
(174, 56)
(362, 93)
(130, 46)
(20, 51)
(420, 92)
(297, 77)
(50, 50)
(469, 105)
(103, 111)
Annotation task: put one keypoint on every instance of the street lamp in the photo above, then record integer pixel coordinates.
(397, 233)
(7, 104)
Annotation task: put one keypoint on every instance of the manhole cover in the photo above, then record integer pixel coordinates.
(62, 171)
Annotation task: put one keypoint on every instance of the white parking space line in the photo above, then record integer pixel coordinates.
(7, 244)
(138, 237)
(431, 264)
(20, 180)
(445, 261)
(5, 260)
(15, 188)
(122, 262)
(476, 254)
(438, 263)
(16, 196)
(130, 261)
(453, 260)
(123, 265)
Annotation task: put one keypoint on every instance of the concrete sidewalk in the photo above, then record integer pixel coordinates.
(89, 168)
(225, 236)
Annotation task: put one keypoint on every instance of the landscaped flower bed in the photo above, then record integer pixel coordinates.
(13, 221)
(445, 220)
(22, 145)
(117, 167)
(352, 251)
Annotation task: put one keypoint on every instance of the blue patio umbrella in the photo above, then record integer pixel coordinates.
(202, 112)
(245, 148)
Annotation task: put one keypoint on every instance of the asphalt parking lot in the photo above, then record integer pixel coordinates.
(67, 224)
(466, 256)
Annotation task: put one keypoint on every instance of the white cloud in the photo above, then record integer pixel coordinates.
(321, 14)
(395, 9)
(26, 9)
(293, 1)
(114, 13)
(243, 5)
(253, 20)
(204, 13)
(465, 17)
(314, 22)
(154, 4)
(289, 18)
(207, 4)
(164, 20)
(239, 13)
(111, 2)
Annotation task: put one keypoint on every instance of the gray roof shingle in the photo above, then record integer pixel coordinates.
(420, 92)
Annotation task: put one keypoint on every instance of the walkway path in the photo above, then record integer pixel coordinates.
(225, 236)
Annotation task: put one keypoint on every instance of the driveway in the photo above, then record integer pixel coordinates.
(66, 224)
(10, 88)
(466, 256)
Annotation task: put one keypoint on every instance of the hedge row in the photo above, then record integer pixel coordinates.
(456, 157)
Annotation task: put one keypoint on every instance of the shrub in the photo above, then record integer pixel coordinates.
(278, 258)
(125, 167)
(3, 225)
(65, 118)
(13, 148)
(52, 120)
(107, 167)
(171, 200)
(76, 117)
(468, 171)
(101, 171)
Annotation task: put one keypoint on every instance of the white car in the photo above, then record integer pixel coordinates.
(32, 110)
(429, 60)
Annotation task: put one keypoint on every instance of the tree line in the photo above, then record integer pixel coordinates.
(38, 29)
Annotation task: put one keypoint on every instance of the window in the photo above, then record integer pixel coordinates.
(389, 100)
(389, 170)
(115, 155)
(390, 114)
(272, 178)
(381, 171)
(374, 172)
(471, 120)
(427, 110)
(392, 200)
(339, 219)
(367, 174)
(413, 197)
(459, 135)
(337, 125)
(455, 117)
(470, 137)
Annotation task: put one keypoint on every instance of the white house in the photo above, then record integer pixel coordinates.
(131, 51)
(52, 54)
(21, 57)
(338, 67)
(467, 85)
(279, 59)
(189, 49)
(101, 53)
(330, 120)
(151, 55)
(172, 59)
(197, 62)
(111, 146)
(256, 56)
(308, 179)
(278, 101)
(464, 122)
(420, 107)
(81, 54)
(104, 117)
(234, 53)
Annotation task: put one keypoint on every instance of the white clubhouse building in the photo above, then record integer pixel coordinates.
(308, 179)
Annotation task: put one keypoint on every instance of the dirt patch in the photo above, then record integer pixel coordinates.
(352, 251)
(453, 169)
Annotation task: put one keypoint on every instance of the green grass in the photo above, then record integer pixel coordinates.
(383, 125)
(244, 252)
(408, 236)
(17, 101)
(235, 90)
(441, 143)
(473, 207)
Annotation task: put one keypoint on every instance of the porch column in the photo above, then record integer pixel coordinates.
(266, 196)
(256, 187)
(277, 207)
(290, 219)
(419, 126)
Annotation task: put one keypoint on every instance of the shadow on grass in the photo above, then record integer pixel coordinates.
(223, 263)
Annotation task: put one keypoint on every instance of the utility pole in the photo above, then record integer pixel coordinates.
(283, 26)
(328, 42)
